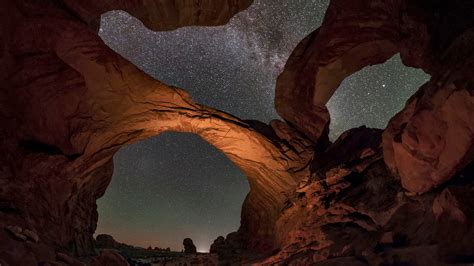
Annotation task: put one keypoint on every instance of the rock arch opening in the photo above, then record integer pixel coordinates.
(232, 68)
(373, 95)
(170, 187)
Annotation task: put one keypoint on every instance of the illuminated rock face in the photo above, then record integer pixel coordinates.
(68, 103)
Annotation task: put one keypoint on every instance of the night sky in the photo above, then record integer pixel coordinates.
(176, 185)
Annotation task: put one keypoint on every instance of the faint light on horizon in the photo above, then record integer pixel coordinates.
(202, 247)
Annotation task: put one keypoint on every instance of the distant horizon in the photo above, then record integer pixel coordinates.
(133, 243)
(152, 246)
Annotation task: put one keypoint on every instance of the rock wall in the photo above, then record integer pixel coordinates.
(353, 211)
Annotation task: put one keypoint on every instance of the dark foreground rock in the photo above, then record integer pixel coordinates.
(189, 246)
(109, 257)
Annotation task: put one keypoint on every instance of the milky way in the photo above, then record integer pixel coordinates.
(175, 185)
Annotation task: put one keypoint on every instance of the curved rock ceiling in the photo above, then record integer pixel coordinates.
(68, 103)
(373, 95)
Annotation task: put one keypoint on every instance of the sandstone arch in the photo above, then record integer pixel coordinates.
(356, 34)
(79, 102)
(339, 48)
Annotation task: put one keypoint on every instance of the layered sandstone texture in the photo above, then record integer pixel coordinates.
(399, 195)
(353, 211)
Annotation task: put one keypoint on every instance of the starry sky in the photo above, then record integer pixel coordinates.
(176, 185)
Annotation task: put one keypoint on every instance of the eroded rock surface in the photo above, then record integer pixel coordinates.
(354, 209)
(432, 138)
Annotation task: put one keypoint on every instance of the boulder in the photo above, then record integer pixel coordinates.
(189, 246)
(106, 242)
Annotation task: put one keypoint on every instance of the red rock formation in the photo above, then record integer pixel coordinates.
(354, 34)
(103, 241)
(70, 103)
(356, 209)
(432, 138)
(353, 211)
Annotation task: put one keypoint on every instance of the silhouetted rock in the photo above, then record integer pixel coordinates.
(106, 241)
(218, 246)
(189, 246)
(160, 15)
